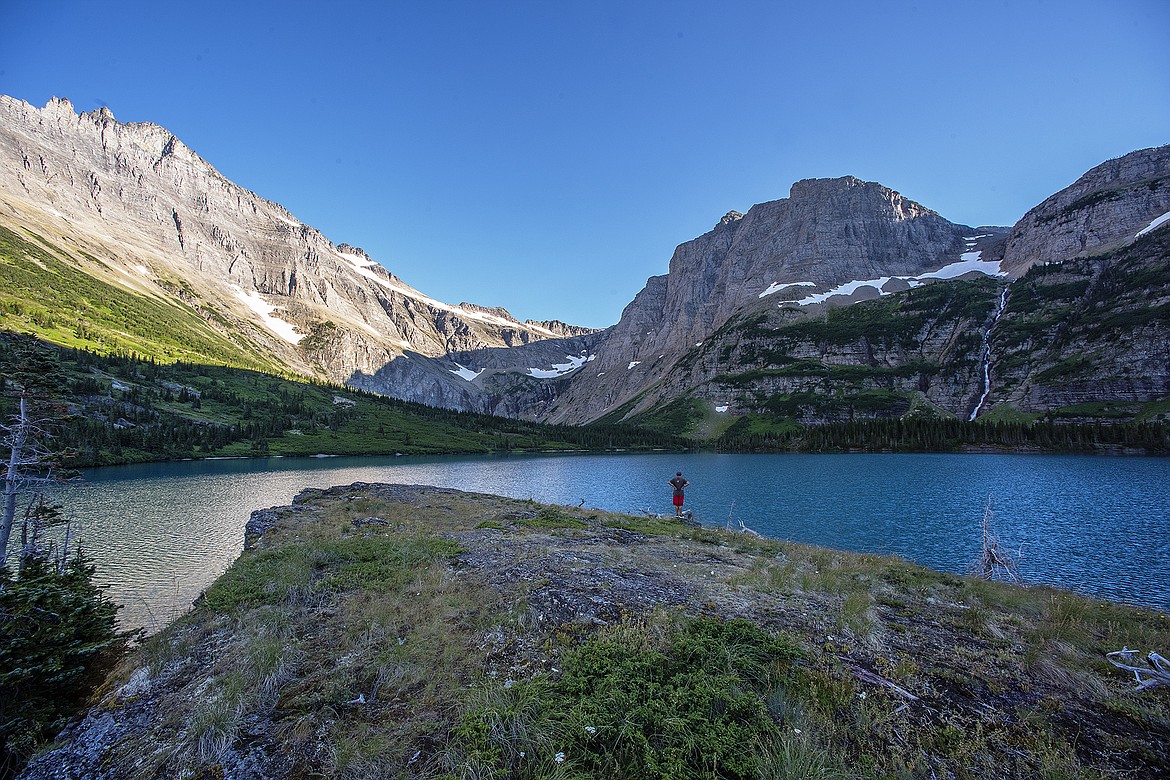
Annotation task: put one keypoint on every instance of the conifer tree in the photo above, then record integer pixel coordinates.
(58, 636)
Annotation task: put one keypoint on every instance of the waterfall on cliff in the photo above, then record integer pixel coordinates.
(986, 352)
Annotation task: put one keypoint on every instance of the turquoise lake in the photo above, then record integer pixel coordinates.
(161, 533)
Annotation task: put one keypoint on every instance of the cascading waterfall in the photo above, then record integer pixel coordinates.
(986, 352)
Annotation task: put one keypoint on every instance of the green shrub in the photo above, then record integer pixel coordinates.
(548, 517)
(637, 701)
(57, 641)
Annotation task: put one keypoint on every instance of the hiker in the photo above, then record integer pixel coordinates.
(678, 483)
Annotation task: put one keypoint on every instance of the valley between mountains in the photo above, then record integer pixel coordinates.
(163, 312)
(844, 304)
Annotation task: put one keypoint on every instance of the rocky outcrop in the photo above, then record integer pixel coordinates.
(345, 643)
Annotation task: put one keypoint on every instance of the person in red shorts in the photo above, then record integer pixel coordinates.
(678, 483)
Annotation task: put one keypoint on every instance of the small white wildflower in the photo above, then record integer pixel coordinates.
(559, 758)
(797, 731)
(861, 695)
(591, 729)
(522, 754)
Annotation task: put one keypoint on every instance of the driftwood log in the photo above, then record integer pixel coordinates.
(1156, 671)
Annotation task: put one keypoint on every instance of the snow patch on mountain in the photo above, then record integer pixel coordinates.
(1157, 223)
(778, 286)
(968, 262)
(253, 301)
(357, 261)
(560, 369)
(465, 373)
(539, 329)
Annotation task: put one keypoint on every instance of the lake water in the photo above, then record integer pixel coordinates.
(161, 533)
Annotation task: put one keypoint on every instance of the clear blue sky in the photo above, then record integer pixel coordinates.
(548, 156)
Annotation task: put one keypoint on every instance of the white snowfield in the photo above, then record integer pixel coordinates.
(278, 326)
(1157, 223)
(357, 260)
(968, 262)
(464, 372)
(722, 409)
(560, 369)
(777, 287)
(539, 329)
(632, 364)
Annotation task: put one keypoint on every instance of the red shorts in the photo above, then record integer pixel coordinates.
(678, 500)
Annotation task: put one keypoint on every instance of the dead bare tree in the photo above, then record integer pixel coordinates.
(993, 560)
(31, 464)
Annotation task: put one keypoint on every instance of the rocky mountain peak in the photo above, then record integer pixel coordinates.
(146, 212)
(811, 188)
(100, 116)
(1103, 209)
(851, 194)
(828, 232)
(729, 218)
(56, 109)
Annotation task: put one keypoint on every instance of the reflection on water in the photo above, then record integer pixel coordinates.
(160, 533)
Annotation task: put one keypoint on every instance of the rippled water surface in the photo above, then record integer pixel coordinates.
(160, 533)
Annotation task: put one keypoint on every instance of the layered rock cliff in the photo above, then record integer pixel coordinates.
(145, 212)
(826, 233)
(750, 317)
(1102, 210)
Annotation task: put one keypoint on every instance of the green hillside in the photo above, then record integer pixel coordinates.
(1082, 341)
(126, 410)
(48, 292)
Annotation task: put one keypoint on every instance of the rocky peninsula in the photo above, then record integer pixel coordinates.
(409, 631)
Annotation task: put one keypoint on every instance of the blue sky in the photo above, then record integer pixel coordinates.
(548, 156)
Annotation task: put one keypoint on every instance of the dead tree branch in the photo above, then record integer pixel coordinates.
(993, 559)
(1156, 672)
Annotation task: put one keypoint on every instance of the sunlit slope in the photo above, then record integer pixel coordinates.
(72, 298)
